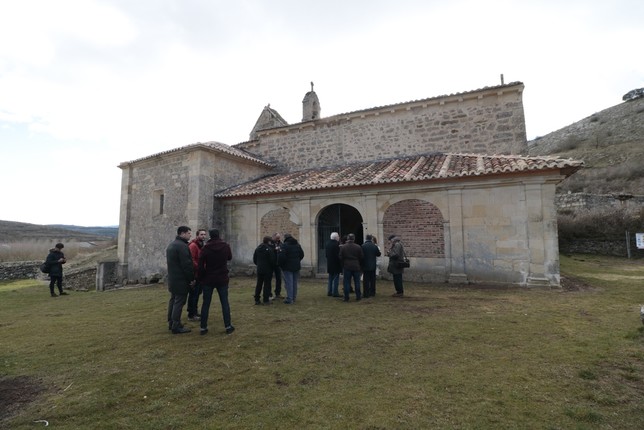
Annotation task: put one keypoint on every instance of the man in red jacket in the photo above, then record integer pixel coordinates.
(193, 296)
(213, 274)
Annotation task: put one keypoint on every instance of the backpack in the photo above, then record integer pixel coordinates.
(44, 267)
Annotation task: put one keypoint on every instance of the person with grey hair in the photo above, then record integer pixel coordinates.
(352, 257)
(333, 266)
(396, 253)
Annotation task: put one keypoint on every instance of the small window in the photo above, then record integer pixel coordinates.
(158, 202)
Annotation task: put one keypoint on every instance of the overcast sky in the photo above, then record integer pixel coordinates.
(88, 84)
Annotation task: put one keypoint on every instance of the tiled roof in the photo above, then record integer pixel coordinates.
(215, 146)
(427, 167)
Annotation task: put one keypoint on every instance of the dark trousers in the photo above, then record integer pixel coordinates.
(263, 286)
(278, 281)
(222, 290)
(348, 275)
(55, 280)
(193, 300)
(175, 307)
(369, 278)
(398, 282)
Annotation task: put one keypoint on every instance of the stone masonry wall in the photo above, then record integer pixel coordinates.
(489, 121)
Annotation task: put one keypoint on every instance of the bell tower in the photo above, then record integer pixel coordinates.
(310, 106)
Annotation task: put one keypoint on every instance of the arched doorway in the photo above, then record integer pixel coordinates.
(339, 217)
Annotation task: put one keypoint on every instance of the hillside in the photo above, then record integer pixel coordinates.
(610, 142)
(11, 231)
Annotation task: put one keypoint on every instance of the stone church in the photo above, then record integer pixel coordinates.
(448, 174)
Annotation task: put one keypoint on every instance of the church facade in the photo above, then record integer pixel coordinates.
(447, 174)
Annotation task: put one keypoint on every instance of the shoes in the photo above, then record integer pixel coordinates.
(170, 325)
(62, 293)
(358, 299)
(180, 330)
(279, 296)
(230, 329)
(337, 295)
(267, 303)
(194, 318)
(203, 331)
(54, 295)
(288, 302)
(345, 300)
(329, 294)
(397, 295)
(257, 302)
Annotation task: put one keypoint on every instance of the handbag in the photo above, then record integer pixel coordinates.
(403, 264)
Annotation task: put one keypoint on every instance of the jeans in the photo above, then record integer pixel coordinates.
(398, 282)
(334, 280)
(222, 290)
(193, 300)
(369, 277)
(263, 286)
(290, 282)
(175, 307)
(348, 274)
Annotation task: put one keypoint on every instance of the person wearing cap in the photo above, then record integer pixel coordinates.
(396, 253)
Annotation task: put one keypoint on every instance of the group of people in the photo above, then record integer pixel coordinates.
(355, 261)
(197, 267)
(282, 259)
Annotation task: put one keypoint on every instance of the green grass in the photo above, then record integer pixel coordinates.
(444, 357)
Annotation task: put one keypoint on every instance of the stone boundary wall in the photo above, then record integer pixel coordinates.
(596, 201)
(14, 270)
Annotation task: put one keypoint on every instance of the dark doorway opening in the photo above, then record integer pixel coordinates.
(339, 217)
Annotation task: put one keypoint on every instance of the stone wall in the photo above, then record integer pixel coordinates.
(13, 270)
(596, 201)
(485, 121)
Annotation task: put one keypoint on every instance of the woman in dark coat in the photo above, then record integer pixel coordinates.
(265, 259)
(289, 260)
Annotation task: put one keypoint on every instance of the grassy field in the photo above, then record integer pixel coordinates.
(443, 357)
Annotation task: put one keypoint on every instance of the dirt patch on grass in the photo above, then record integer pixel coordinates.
(16, 392)
(570, 283)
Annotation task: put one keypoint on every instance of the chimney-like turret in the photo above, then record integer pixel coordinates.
(310, 106)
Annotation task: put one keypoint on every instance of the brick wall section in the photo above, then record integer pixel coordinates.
(420, 226)
(488, 121)
(278, 220)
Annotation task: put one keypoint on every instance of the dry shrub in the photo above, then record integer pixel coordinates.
(604, 223)
(33, 250)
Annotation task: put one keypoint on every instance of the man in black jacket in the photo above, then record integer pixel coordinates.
(351, 257)
(371, 252)
(180, 277)
(265, 259)
(55, 261)
(333, 266)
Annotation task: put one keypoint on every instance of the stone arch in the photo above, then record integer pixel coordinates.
(420, 226)
(278, 221)
(338, 217)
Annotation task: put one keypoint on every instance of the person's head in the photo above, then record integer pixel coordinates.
(214, 233)
(267, 240)
(351, 237)
(335, 236)
(369, 237)
(374, 239)
(287, 236)
(277, 237)
(184, 232)
(59, 246)
(391, 237)
(201, 234)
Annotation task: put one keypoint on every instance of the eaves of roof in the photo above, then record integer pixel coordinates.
(210, 146)
(426, 167)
